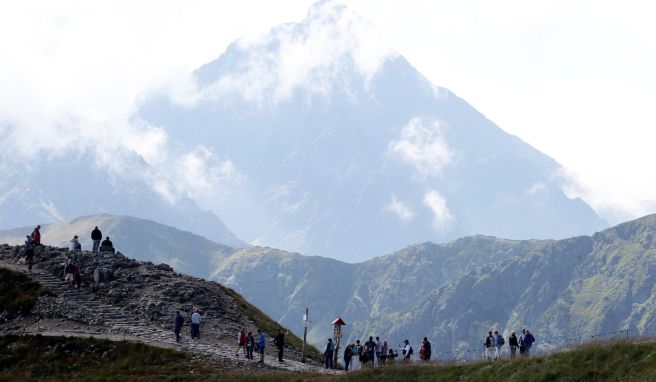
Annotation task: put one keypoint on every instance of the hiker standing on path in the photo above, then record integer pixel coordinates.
(241, 342)
(427, 349)
(36, 236)
(195, 324)
(357, 356)
(489, 341)
(68, 273)
(75, 244)
(77, 276)
(498, 343)
(407, 351)
(250, 345)
(261, 344)
(96, 237)
(528, 341)
(328, 353)
(348, 355)
(177, 324)
(279, 341)
(29, 252)
(379, 351)
(512, 342)
(384, 349)
(370, 348)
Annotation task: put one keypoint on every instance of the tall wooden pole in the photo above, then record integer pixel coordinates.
(305, 323)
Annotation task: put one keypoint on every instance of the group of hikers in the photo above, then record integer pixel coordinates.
(494, 342)
(178, 322)
(374, 353)
(249, 343)
(72, 274)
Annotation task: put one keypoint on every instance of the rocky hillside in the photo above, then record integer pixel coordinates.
(360, 293)
(126, 297)
(141, 239)
(564, 289)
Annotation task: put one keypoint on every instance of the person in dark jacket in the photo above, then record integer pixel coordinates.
(328, 353)
(29, 252)
(514, 344)
(427, 349)
(177, 325)
(96, 237)
(107, 245)
(250, 345)
(528, 341)
(279, 341)
(347, 357)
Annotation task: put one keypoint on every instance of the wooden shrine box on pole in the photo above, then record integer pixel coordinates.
(337, 334)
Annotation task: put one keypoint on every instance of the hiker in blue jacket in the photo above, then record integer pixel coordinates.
(261, 344)
(177, 325)
(528, 341)
(328, 353)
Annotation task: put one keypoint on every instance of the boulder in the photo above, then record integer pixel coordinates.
(164, 267)
(102, 275)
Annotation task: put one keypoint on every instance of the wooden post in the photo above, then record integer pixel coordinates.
(305, 323)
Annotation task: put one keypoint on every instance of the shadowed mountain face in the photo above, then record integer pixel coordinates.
(454, 293)
(64, 186)
(354, 153)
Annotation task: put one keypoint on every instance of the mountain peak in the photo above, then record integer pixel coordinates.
(332, 47)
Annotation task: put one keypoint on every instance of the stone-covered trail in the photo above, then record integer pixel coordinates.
(140, 308)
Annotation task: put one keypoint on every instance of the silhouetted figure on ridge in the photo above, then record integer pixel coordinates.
(96, 237)
(107, 245)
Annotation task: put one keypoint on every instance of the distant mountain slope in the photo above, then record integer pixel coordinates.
(141, 239)
(71, 184)
(347, 151)
(358, 292)
(572, 288)
(455, 292)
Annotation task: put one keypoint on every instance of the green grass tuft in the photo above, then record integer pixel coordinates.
(18, 293)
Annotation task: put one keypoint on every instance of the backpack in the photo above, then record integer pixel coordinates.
(501, 341)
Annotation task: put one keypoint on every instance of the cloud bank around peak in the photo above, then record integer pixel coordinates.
(311, 55)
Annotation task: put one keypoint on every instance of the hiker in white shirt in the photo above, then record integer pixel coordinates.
(195, 324)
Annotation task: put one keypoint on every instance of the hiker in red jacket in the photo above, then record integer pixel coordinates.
(36, 236)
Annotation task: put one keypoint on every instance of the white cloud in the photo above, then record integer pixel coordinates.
(422, 145)
(442, 216)
(331, 40)
(201, 171)
(400, 209)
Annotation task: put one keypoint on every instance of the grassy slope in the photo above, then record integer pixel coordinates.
(18, 293)
(268, 325)
(64, 359)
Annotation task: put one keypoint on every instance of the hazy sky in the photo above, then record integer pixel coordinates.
(573, 79)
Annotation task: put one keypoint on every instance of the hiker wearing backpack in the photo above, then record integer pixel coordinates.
(514, 344)
(370, 349)
(489, 345)
(425, 350)
(357, 356)
(379, 351)
(498, 343)
(528, 341)
(328, 354)
(522, 344)
(36, 236)
(407, 351)
(29, 252)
